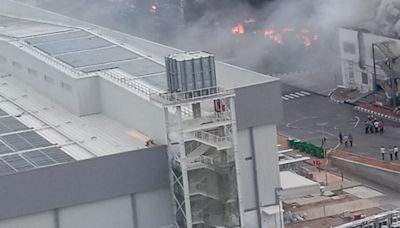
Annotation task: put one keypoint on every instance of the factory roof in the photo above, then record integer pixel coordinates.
(80, 51)
(86, 51)
(35, 132)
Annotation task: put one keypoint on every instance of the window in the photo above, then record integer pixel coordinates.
(349, 47)
(17, 64)
(48, 79)
(66, 86)
(364, 78)
(32, 71)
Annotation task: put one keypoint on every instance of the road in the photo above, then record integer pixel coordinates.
(312, 117)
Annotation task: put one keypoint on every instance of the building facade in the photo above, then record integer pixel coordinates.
(369, 62)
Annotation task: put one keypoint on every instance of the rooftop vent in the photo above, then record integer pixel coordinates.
(191, 72)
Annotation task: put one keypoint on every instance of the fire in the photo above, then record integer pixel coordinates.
(274, 35)
(238, 29)
(307, 41)
(305, 30)
(153, 8)
(283, 35)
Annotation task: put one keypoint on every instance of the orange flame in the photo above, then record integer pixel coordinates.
(273, 35)
(238, 29)
(307, 41)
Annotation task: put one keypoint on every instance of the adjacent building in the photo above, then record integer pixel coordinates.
(369, 63)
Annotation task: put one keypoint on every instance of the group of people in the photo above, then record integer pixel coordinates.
(393, 152)
(347, 139)
(373, 125)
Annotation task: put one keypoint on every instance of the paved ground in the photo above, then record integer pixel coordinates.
(312, 117)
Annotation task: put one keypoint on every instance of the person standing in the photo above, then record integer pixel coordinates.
(381, 126)
(351, 140)
(383, 152)
(340, 138)
(346, 140)
(391, 153)
(396, 152)
(366, 126)
(376, 125)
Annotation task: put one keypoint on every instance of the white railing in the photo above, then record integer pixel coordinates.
(213, 139)
(203, 160)
(49, 59)
(130, 83)
(187, 96)
(204, 189)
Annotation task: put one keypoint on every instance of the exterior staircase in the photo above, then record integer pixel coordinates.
(218, 142)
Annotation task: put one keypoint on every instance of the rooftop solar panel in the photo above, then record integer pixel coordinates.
(4, 149)
(38, 158)
(10, 124)
(5, 169)
(58, 155)
(97, 56)
(35, 139)
(79, 44)
(16, 142)
(18, 162)
(57, 37)
(142, 67)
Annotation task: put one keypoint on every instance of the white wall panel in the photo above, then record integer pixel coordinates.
(246, 172)
(153, 209)
(40, 220)
(133, 111)
(81, 99)
(265, 141)
(103, 214)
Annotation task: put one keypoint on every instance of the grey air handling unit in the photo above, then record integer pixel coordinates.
(191, 73)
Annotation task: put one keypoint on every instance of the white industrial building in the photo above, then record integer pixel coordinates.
(369, 63)
(94, 132)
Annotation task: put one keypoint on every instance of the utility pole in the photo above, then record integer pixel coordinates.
(182, 10)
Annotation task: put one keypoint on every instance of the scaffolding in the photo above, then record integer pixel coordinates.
(386, 76)
(202, 149)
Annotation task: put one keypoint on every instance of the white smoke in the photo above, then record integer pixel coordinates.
(387, 17)
(322, 16)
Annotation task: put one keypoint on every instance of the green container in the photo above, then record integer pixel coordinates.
(296, 144)
(309, 148)
(313, 150)
(320, 153)
(290, 142)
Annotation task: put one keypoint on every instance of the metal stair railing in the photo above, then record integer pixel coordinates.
(204, 189)
(214, 140)
(202, 161)
(384, 48)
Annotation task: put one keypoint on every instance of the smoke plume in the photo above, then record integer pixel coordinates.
(210, 22)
